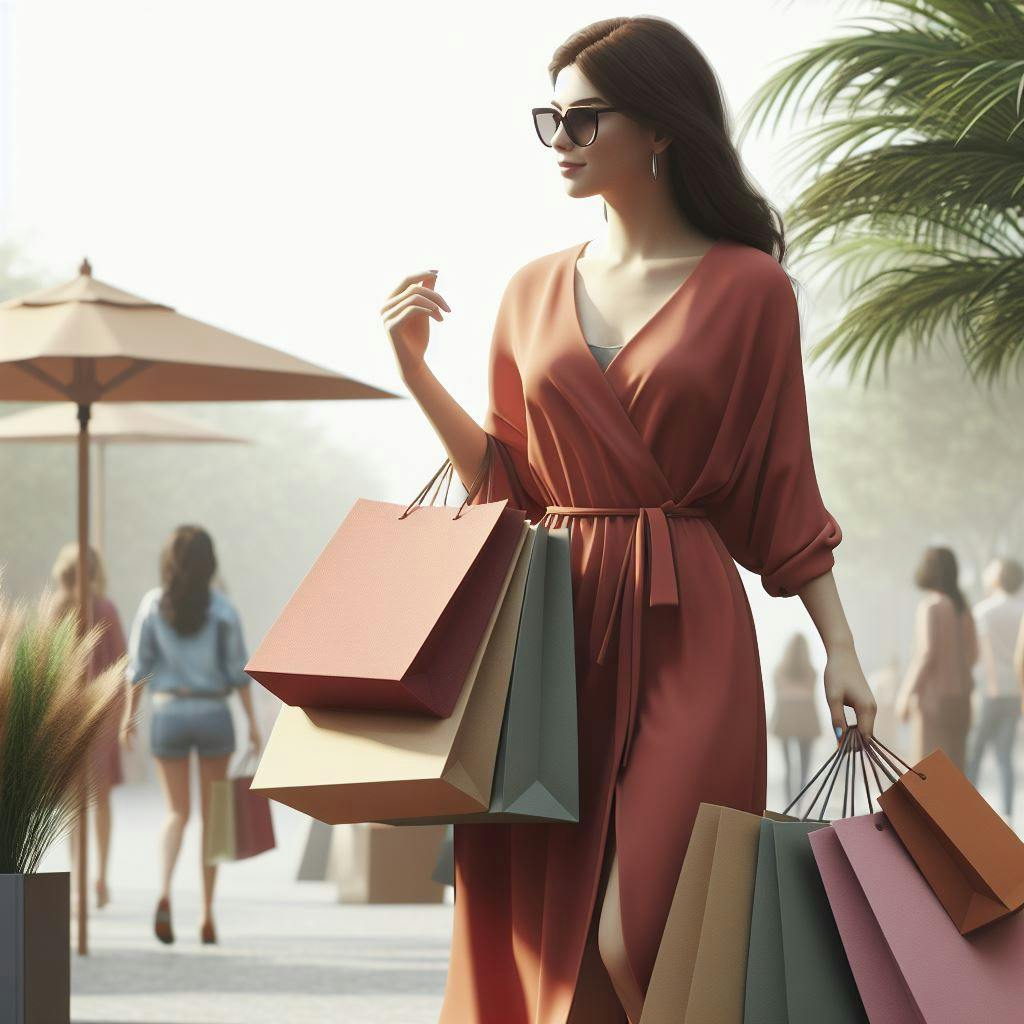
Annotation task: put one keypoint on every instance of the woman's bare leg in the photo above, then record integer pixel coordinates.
(211, 769)
(173, 774)
(613, 948)
(101, 812)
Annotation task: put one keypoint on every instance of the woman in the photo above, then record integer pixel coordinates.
(687, 450)
(938, 685)
(105, 767)
(794, 718)
(186, 643)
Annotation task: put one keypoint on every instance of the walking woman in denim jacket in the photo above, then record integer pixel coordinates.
(187, 646)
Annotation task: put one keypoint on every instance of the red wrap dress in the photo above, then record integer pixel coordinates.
(689, 451)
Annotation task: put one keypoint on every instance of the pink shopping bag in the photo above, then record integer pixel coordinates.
(910, 962)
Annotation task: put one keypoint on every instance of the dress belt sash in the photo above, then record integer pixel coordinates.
(650, 521)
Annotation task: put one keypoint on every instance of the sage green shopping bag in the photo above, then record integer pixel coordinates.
(797, 970)
(536, 772)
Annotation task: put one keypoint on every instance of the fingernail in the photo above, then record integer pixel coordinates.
(839, 732)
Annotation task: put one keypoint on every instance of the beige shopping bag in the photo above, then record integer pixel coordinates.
(384, 864)
(361, 766)
(700, 971)
(220, 829)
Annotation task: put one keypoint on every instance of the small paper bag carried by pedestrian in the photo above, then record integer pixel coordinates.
(240, 823)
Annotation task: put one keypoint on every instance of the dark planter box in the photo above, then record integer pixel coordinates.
(35, 948)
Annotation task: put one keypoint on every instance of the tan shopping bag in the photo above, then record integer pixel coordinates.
(220, 829)
(361, 766)
(700, 971)
(383, 864)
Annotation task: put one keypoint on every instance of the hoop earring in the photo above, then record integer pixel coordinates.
(654, 166)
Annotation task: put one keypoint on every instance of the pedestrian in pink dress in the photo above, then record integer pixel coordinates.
(105, 768)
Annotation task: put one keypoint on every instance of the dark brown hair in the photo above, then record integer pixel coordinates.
(938, 570)
(655, 73)
(187, 564)
(796, 657)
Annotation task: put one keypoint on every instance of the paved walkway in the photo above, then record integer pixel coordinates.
(290, 958)
(289, 952)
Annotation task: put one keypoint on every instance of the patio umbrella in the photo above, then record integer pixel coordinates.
(134, 423)
(86, 342)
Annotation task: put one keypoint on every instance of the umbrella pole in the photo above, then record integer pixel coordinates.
(100, 496)
(84, 619)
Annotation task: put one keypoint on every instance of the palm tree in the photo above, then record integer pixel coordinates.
(915, 156)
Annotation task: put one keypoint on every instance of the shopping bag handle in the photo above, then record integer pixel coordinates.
(250, 759)
(845, 758)
(446, 473)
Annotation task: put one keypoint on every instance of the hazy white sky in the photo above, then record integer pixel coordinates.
(275, 168)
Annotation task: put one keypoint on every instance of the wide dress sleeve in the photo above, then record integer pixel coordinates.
(508, 473)
(772, 518)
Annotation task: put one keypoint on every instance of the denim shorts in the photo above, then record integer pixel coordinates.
(180, 724)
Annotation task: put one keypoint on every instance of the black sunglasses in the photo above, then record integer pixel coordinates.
(580, 123)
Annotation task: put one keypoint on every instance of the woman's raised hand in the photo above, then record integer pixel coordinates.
(405, 318)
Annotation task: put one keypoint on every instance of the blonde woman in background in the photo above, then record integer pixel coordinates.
(938, 685)
(105, 758)
(794, 718)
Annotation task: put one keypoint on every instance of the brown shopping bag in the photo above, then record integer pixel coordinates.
(360, 766)
(393, 610)
(700, 970)
(240, 824)
(972, 860)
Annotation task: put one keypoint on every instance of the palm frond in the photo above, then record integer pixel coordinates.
(916, 142)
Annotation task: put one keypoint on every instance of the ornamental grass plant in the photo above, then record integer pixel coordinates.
(49, 715)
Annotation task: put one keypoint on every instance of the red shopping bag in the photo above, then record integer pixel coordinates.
(254, 826)
(393, 611)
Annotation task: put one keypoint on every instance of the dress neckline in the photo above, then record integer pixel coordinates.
(657, 315)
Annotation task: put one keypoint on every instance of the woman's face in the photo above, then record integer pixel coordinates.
(617, 159)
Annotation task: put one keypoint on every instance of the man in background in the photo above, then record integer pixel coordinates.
(999, 618)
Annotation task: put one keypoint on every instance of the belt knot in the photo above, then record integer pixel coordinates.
(651, 523)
